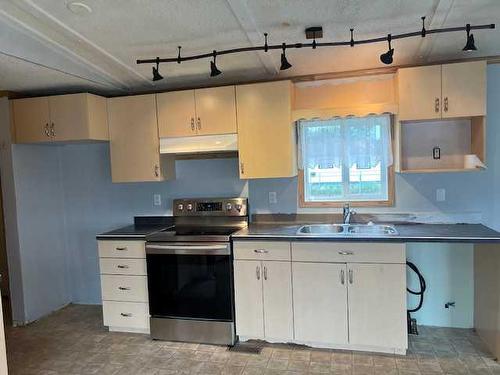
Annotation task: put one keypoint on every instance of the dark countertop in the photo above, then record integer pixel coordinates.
(143, 225)
(469, 233)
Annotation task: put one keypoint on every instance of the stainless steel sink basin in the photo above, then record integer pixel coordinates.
(338, 230)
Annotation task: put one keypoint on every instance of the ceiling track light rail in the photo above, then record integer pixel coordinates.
(283, 46)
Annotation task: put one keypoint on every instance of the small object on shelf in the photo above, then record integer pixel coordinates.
(473, 162)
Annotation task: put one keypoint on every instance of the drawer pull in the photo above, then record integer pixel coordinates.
(346, 253)
(126, 315)
(342, 277)
(351, 277)
(123, 288)
(122, 266)
(121, 248)
(261, 251)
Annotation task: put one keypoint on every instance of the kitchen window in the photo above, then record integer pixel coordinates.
(346, 160)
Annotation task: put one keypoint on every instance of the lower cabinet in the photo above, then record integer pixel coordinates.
(327, 294)
(263, 300)
(320, 302)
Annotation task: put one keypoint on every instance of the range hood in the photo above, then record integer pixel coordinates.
(201, 144)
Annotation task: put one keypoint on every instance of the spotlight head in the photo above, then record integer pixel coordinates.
(387, 57)
(284, 62)
(156, 71)
(470, 45)
(214, 72)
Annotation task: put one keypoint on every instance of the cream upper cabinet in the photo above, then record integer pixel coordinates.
(419, 93)
(31, 120)
(73, 117)
(176, 114)
(464, 89)
(134, 143)
(442, 91)
(216, 110)
(377, 304)
(266, 134)
(197, 112)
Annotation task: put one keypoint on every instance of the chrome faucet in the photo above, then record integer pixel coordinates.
(347, 213)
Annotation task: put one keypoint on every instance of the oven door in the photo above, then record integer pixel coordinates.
(190, 280)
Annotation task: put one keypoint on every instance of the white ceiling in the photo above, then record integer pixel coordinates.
(44, 47)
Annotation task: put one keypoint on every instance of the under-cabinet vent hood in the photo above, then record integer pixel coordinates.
(200, 144)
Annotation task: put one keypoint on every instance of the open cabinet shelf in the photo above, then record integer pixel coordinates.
(460, 142)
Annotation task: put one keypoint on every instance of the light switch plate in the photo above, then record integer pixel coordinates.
(273, 197)
(440, 195)
(157, 199)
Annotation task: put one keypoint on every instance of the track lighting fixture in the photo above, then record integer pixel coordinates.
(284, 62)
(314, 33)
(469, 46)
(214, 72)
(156, 71)
(386, 58)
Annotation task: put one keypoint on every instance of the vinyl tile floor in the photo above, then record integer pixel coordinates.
(74, 341)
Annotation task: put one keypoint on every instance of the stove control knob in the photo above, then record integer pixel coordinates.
(180, 206)
(229, 206)
(238, 207)
(189, 207)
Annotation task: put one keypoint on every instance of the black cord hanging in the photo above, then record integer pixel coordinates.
(423, 32)
(266, 46)
(352, 38)
(179, 55)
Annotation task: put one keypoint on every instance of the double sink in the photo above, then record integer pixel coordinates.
(339, 230)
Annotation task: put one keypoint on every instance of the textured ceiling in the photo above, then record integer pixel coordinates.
(44, 47)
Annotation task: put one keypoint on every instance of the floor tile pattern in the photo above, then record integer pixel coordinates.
(73, 341)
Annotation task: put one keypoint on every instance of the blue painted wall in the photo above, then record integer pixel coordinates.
(89, 203)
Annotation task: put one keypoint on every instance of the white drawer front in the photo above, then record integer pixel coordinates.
(126, 315)
(349, 252)
(121, 249)
(262, 250)
(124, 288)
(117, 266)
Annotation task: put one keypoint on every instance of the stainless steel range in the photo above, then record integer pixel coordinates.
(190, 279)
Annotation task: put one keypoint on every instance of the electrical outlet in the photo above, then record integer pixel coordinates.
(157, 199)
(273, 197)
(440, 195)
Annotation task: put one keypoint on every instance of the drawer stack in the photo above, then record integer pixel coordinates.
(124, 285)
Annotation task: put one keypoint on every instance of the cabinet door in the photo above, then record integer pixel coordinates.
(248, 301)
(377, 305)
(278, 314)
(69, 117)
(134, 144)
(420, 93)
(31, 120)
(216, 110)
(464, 89)
(320, 302)
(176, 114)
(266, 135)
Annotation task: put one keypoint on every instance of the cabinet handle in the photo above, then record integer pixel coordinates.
(192, 123)
(342, 277)
(265, 273)
(121, 248)
(157, 170)
(242, 168)
(257, 272)
(346, 253)
(121, 266)
(52, 130)
(123, 288)
(436, 105)
(446, 104)
(126, 315)
(261, 251)
(47, 133)
(351, 277)
(198, 122)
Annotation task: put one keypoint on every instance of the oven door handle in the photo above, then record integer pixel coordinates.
(188, 249)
